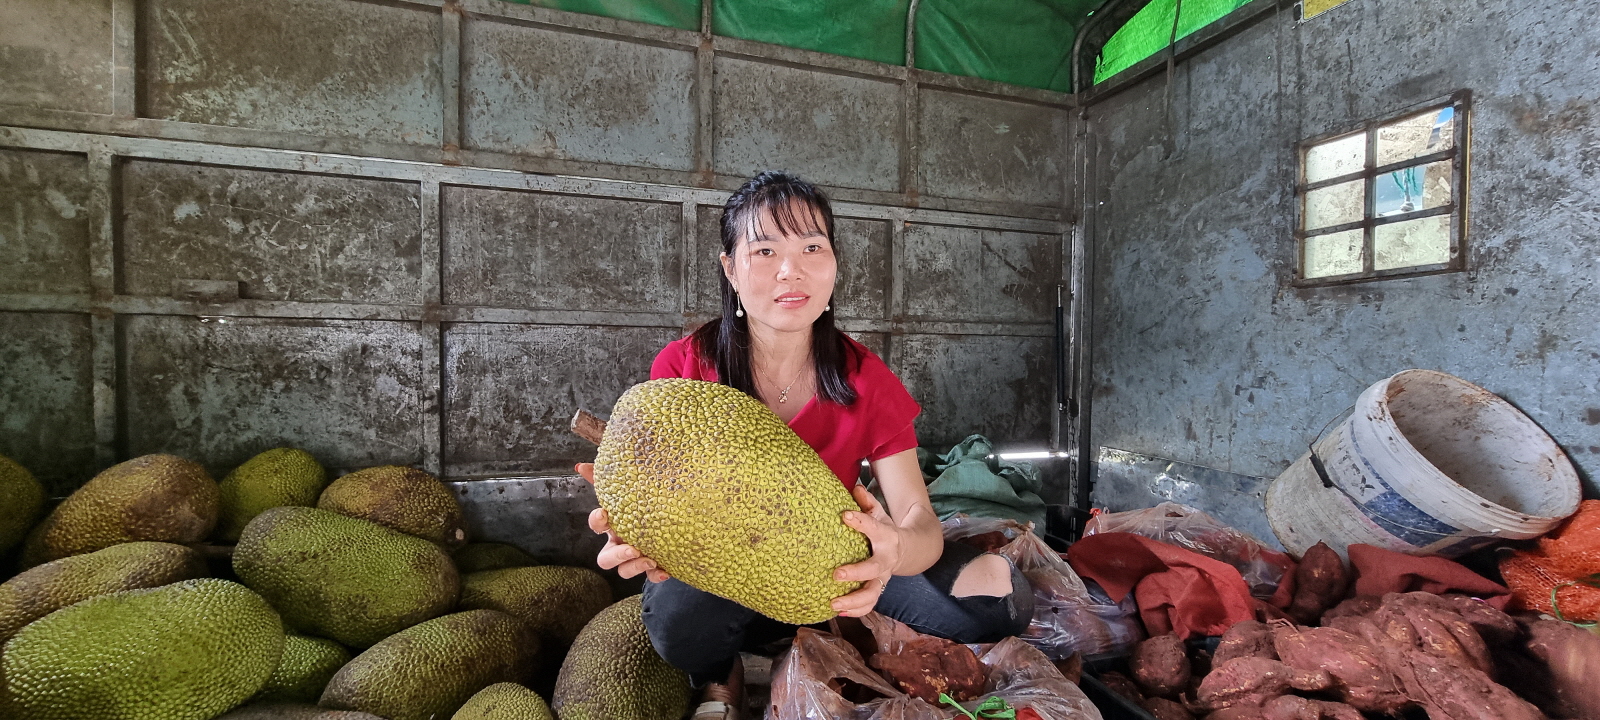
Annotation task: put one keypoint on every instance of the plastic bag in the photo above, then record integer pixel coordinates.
(1067, 617)
(822, 677)
(1262, 567)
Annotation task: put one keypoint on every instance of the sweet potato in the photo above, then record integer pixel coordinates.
(1363, 680)
(1251, 681)
(1160, 666)
(1294, 707)
(1164, 709)
(1319, 584)
(1122, 685)
(1246, 639)
(930, 666)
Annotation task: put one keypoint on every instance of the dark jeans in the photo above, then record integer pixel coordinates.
(702, 634)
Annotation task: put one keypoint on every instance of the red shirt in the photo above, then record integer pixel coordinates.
(876, 426)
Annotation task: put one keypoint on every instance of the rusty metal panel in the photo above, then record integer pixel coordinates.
(547, 93)
(536, 250)
(836, 130)
(511, 390)
(862, 249)
(219, 390)
(320, 67)
(983, 148)
(56, 54)
(954, 273)
(995, 385)
(284, 236)
(47, 397)
(44, 223)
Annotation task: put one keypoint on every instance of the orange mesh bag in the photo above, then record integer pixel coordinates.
(1567, 564)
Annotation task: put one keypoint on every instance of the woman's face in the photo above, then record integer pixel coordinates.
(784, 279)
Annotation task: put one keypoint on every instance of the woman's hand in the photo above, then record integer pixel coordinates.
(617, 554)
(884, 536)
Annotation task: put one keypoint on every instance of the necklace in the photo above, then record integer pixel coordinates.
(783, 397)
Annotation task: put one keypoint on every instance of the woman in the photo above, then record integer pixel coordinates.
(776, 341)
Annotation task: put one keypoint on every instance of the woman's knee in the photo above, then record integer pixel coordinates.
(692, 630)
(988, 574)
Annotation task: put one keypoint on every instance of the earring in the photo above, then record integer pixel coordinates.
(828, 307)
(740, 311)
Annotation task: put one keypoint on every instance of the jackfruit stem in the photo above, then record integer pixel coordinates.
(588, 427)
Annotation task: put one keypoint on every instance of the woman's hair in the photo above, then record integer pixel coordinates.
(725, 342)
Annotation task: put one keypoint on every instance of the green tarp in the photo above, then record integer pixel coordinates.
(868, 29)
(681, 14)
(1021, 42)
(1150, 30)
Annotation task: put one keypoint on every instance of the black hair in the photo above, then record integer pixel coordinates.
(725, 342)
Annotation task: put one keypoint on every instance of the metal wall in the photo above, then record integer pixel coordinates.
(422, 232)
(1204, 352)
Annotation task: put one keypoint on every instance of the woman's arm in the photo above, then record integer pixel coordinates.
(906, 539)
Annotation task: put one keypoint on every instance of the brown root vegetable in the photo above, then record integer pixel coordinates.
(1238, 712)
(1493, 625)
(1160, 666)
(1451, 692)
(1246, 639)
(1441, 630)
(1255, 680)
(1294, 707)
(1320, 582)
(1164, 709)
(1358, 605)
(1122, 685)
(1361, 677)
(1571, 661)
(930, 666)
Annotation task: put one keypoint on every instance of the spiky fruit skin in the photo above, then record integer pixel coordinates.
(279, 477)
(342, 578)
(477, 557)
(430, 670)
(305, 668)
(613, 673)
(293, 711)
(557, 601)
(504, 701)
(57, 584)
(21, 500)
(163, 498)
(400, 498)
(714, 487)
(186, 651)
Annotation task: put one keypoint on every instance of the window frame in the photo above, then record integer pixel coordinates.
(1458, 154)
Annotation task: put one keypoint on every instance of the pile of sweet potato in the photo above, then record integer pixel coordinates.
(1452, 656)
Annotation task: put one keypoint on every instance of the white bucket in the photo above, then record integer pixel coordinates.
(1427, 464)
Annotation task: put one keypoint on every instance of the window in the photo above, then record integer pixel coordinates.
(1387, 199)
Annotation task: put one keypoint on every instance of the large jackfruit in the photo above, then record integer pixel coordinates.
(719, 491)
(55, 585)
(504, 701)
(401, 498)
(343, 578)
(428, 671)
(164, 498)
(557, 601)
(304, 670)
(186, 651)
(613, 673)
(21, 500)
(477, 557)
(276, 478)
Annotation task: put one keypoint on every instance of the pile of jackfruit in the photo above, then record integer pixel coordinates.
(353, 600)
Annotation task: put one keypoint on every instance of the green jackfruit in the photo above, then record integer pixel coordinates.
(428, 671)
(505, 701)
(342, 578)
(276, 478)
(613, 673)
(714, 487)
(557, 601)
(186, 651)
(293, 711)
(21, 499)
(401, 498)
(55, 585)
(304, 670)
(164, 498)
(477, 557)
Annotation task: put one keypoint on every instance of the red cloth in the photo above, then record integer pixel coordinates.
(1177, 590)
(876, 426)
(1379, 571)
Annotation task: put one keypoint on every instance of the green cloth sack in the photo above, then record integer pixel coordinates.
(972, 483)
